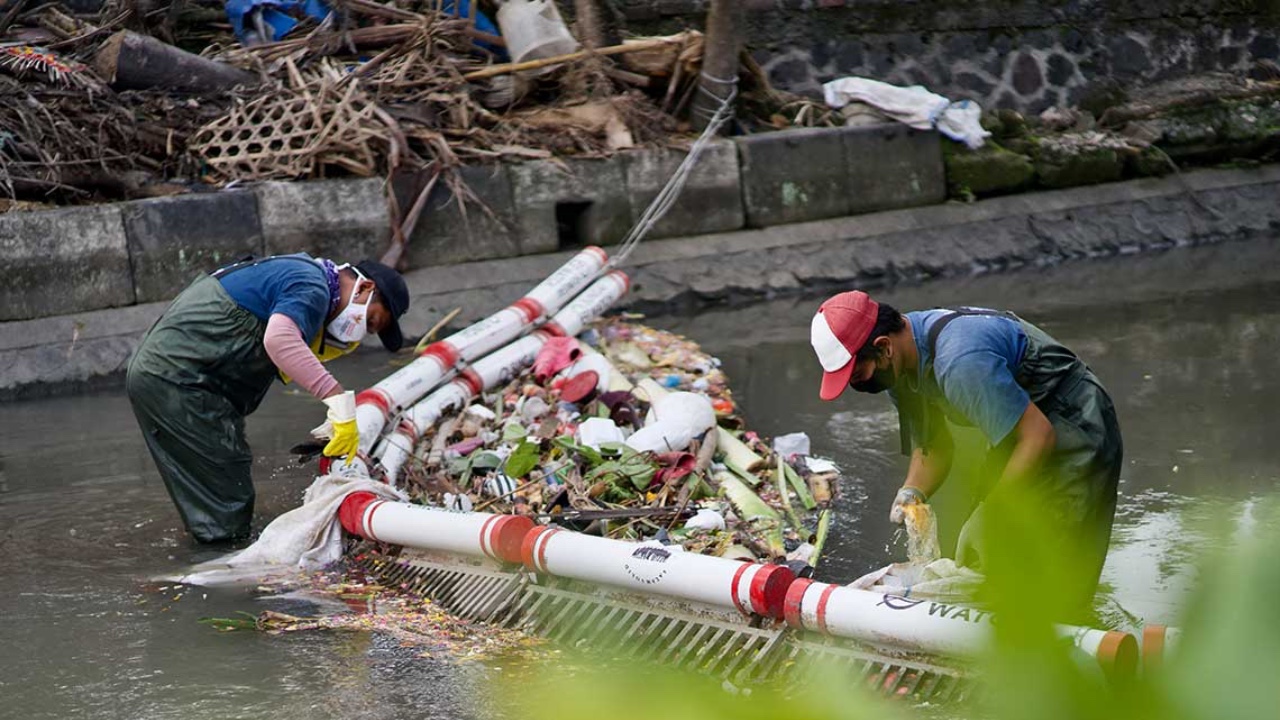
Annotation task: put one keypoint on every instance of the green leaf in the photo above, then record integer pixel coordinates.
(459, 467)
(514, 432)
(631, 466)
(486, 460)
(523, 459)
(592, 456)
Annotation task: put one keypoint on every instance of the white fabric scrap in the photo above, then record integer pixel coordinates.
(914, 106)
(796, 443)
(820, 465)
(304, 539)
(940, 580)
(705, 519)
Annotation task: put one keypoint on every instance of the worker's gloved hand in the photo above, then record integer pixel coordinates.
(906, 496)
(344, 437)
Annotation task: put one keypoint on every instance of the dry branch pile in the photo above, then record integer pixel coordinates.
(371, 89)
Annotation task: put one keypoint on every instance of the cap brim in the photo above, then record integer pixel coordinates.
(392, 338)
(834, 383)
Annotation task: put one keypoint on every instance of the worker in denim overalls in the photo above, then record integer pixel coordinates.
(1049, 421)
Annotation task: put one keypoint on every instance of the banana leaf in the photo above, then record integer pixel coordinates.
(761, 520)
(780, 478)
(802, 488)
(742, 474)
(820, 537)
(736, 452)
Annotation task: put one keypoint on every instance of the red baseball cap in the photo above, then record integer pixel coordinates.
(840, 327)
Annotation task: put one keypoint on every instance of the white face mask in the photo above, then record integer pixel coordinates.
(351, 325)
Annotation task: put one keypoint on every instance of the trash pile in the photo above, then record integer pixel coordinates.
(630, 433)
(135, 101)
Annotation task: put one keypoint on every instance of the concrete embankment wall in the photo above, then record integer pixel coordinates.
(90, 258)
(96, 258)
(1028, 55)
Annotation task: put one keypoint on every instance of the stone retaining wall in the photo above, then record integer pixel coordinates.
(1027, 55)
(90, 349)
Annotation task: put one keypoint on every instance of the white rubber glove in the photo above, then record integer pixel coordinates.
(905, 496)
(324, 430)
(341, 425)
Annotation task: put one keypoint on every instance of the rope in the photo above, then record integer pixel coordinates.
(670, 192)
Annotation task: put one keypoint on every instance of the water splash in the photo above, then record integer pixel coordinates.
(922, 534)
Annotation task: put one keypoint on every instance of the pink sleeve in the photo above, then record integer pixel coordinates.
(290, 353)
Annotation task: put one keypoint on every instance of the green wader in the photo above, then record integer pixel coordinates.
(199, 371)
(1083, 472)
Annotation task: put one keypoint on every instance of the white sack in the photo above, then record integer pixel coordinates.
(914, 106)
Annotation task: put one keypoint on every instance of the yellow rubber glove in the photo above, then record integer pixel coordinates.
(345, 439)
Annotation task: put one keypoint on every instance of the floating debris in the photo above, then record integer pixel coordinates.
(413, 621)
(631, 433)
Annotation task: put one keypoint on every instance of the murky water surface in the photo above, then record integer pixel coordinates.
(1187, 343)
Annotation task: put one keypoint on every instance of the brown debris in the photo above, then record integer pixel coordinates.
(375, 89)
(129, 61)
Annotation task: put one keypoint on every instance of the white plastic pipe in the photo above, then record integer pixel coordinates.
(587, 306)
(928, 626)
(1157, 642)
(473, 534)
(749, 588)
(495, 369)
(399, 443)
(490, 371)
(410, 383)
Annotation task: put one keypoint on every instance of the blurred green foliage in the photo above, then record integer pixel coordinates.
(1226, 663)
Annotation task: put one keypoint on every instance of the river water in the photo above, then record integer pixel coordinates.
(1185, 341)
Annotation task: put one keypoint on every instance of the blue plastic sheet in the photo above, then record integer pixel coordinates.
(278, 16)
(281, 16)
(483, 24)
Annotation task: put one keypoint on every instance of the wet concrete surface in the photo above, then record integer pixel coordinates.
(1185, 341)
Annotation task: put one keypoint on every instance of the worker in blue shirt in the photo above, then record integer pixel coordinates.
(210, 359)
(1044, 413)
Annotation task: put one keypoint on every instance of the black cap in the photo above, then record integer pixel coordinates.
(394, 294)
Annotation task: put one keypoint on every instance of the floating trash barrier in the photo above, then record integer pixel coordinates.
(643, 626)
(437, 362)
(591, 481)
(631, 434)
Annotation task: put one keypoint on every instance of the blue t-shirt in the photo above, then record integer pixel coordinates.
(292, 285)
(974, 371)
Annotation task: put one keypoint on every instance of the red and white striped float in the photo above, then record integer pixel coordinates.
(488, 372)
(474, 534)
(928, 626)
(410, 383)
(1157, 642)
(749, 588)
(495, 369)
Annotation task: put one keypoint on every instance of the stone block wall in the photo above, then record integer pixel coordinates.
(63, 261)
(1026, 55)
(86, 259)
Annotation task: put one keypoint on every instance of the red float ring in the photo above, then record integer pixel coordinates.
(793, 605)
